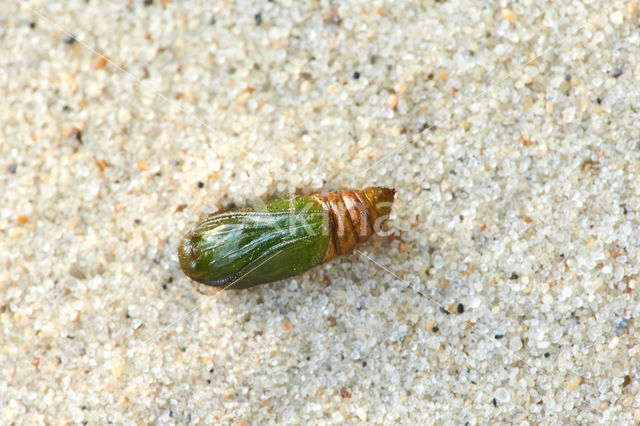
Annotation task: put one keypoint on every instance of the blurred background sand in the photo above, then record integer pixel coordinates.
(507, 293)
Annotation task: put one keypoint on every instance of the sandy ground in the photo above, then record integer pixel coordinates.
(507, 293)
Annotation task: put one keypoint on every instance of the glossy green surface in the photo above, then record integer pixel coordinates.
(246, 247)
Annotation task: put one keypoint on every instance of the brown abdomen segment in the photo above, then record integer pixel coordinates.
(354, 216)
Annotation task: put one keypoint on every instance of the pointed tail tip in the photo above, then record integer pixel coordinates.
(392, 191)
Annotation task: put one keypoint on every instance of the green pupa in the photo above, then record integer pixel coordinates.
(241, 248)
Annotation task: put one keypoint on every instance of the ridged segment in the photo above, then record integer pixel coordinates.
(353, 216)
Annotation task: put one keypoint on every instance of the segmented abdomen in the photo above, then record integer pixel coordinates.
(353, 216)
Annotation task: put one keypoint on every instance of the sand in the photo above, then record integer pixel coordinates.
(507, 292)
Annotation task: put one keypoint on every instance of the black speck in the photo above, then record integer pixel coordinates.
(84, 407)
(431, 249)
(70, 337)
(84, 422)
(546, 354)
(209, 381)
(212, 21)
(356, 75)
(170, 280)
(200, 184)
(176, 163)
(128, 316)
(148, 2)
(12, 168)
(460, 308)
(232, 206)
(364, 363)
(620, 326)
(435, 329)
(453, 172)
(372, 59)
(425, 126)
(617, 72)
(341, 357)
(32, 24)
(70, 39)
(77, 133)
(66, 108)
(498, 336)
(258, 18)
(493, 401)
(444, 311)
(137, 221)
(184, 349)
(567, 77)
(514, 276)
(159, 174)
(472, 382)
(164, 286)
(598, 101)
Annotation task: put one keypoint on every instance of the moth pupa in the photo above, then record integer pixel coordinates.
(241, 248)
